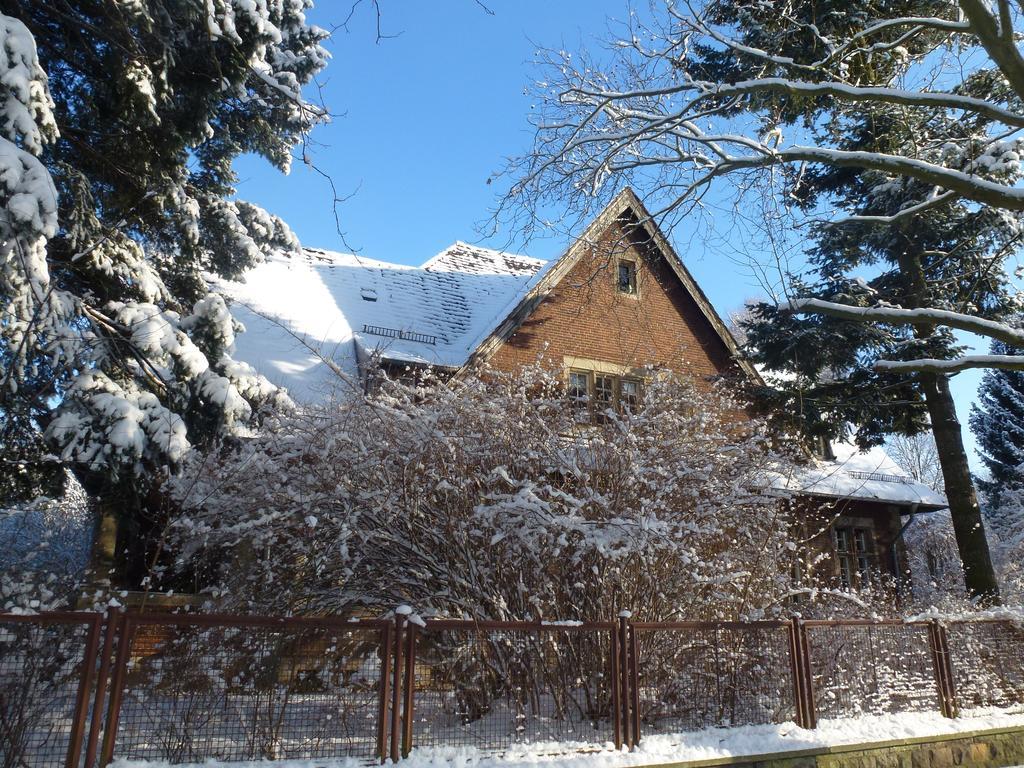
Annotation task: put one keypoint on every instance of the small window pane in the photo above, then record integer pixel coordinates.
(861, 536)
(864, 569)
(629, 394)
(604, 391)
(627, 277)
(579, 387)
(845, 575)
(842, 540)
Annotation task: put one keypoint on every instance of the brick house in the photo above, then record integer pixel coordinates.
(619, 301)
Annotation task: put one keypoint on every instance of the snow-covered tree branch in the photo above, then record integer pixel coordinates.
(654, 104)
(927, 318)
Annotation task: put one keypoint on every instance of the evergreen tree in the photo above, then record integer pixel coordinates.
(949, 257)
(120, 122)
(997, 420)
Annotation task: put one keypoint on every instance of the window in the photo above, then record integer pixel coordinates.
(627, 277)
(579, 390)
(629, 395)
(598, 392)
(855, 555)
(604, 391)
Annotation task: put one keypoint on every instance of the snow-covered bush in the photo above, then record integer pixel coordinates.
(936, 574)
(495, 496)
(44, 549)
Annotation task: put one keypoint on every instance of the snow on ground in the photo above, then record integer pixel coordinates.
(674, 748)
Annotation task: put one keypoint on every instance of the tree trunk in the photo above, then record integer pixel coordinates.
(979, 576)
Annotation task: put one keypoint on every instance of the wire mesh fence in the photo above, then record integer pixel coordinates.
(188, 688)
(694, 676)
(988, 663)
(246, 690)
(871, 668)
(45, 682)
(494, 686)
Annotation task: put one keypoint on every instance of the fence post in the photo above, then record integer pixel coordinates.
(396, 686)
(805, 655)
(939, 645)
(634, 681)
(125, 631)
(616, 689)
(92, 643)
(624, 679)
(410, 687)
(803, 681)
(110, 626)
(382, 703)
(947, 665)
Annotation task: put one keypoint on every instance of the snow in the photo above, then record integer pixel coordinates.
(312, 315)
(674, 748)
(923, 315)
(857, 474)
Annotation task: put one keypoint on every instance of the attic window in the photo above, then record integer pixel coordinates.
(626, 278)
(368, 294)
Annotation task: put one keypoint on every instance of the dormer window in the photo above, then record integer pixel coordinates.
(627, 277)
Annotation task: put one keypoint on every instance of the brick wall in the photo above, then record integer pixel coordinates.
(586, 316)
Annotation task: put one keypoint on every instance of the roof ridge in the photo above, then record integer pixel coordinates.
(484, 248)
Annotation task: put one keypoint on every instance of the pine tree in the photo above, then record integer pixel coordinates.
(120, 122)
(948, 257)
(997, 420)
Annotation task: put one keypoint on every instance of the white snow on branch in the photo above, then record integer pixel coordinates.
(920, 316)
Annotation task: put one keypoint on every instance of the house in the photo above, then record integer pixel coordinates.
(619, 301)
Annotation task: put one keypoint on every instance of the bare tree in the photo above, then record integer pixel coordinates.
(742, 88)
(918, 456)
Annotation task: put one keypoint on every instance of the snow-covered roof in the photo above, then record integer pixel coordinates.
(346, 307)
(870, 475)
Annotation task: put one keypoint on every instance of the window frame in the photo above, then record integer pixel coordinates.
(615, 397)
(855, 550)
(633, 284)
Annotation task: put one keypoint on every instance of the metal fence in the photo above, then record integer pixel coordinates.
(872, 668)
(80, 689)
(46, 679)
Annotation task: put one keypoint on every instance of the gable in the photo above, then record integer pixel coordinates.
(576, 309)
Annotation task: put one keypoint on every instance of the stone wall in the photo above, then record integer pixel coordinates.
(996, 748)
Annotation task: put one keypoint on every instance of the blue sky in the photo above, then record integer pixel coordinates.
(425, 117)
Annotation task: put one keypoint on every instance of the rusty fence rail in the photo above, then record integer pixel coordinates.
(81, 689)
